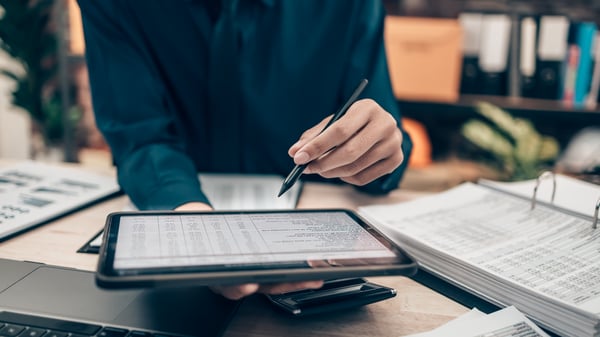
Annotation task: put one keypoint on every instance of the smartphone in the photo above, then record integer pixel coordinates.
(335, 295)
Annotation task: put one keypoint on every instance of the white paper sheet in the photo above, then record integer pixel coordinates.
(34, 192)
(491, 243)
(508, 322)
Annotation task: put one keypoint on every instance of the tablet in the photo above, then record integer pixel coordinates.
(143, 249)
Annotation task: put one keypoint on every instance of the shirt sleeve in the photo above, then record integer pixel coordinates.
(132, 111)
(369, 61)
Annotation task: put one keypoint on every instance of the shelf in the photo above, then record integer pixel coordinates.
(444, 120)
(524, 107)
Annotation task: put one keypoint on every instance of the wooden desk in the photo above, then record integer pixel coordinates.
(414, 309)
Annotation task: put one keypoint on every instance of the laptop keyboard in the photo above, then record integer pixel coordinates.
(20, 325)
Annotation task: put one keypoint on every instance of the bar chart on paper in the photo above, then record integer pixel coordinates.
(32, 193)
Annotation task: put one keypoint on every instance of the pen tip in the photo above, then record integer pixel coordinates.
(282, 190)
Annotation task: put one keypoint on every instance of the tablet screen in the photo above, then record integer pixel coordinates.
(174, 242)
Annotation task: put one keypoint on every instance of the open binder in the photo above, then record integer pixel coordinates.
(507, 248)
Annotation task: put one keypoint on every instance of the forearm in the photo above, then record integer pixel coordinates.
(159, 177)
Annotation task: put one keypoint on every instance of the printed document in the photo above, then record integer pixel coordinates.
(238, 192)
(508, 322)
(145, 241)
(545, 261)
(32, 193)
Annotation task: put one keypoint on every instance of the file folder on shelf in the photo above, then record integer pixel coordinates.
(493, 56)
(585, 36)
(471, 26)
(527, 58)
(551, 53)
(489, 242)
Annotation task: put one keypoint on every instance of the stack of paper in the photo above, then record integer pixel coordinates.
(545, 261)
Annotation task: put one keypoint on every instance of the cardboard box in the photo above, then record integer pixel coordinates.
(424, 58)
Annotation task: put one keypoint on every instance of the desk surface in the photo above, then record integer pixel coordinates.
(414, 309)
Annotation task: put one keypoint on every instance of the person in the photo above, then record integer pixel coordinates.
(187, 86)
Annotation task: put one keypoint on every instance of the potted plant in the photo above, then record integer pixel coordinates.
(27, 34)
(512, 145)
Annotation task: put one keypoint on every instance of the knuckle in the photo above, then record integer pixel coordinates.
(398, 157)
(390, 126)
(341, 133)
(316, 148)
(306, 135)
(350, 153)
(393, 162)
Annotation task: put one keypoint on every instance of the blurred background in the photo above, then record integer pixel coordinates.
(493, 88)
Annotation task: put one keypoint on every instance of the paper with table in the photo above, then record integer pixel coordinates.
(508, 322)
(233, 192)
(544, 261)
(32, 193)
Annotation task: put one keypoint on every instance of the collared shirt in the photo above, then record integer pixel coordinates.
(298, 61)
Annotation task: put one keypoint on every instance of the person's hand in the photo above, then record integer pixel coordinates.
(194, 206)
(238, 291)
(360, 147)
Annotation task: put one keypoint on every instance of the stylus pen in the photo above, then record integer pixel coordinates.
(291, 179)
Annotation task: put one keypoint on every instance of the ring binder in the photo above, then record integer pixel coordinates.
(547, 174)
(544, 175)
(542, 262)
(595, 223)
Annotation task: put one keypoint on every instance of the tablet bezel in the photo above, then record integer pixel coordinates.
(108, 277)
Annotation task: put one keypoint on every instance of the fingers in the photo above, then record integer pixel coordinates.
(308, 135)
(372, 144)
(368, 168)
(281, 288)
(194, 206)
(338, 133)
(373, 172)
(236, 292)
(362, 146)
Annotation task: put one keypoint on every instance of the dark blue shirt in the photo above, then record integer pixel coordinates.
(298, 61)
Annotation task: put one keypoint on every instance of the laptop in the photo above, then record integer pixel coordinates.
(38, 300)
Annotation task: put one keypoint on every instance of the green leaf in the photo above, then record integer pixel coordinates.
(485, 137)
(26, 34)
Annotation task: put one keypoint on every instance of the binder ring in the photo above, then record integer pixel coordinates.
(544, 175)
(595, 223)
